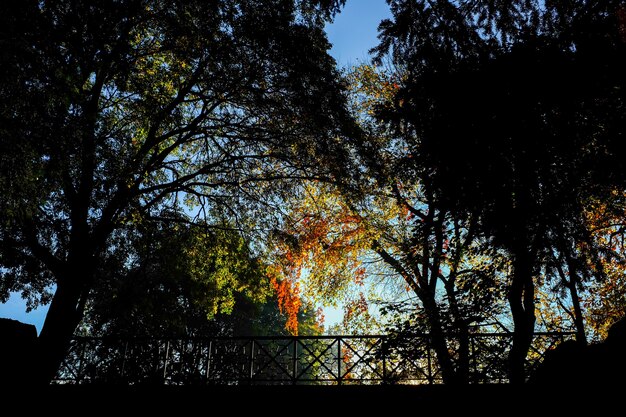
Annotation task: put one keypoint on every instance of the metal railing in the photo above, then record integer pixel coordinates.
(287, 360)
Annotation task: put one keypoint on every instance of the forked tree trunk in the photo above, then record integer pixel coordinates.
(579, 322)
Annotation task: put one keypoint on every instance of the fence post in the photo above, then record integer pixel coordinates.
(430, 364)
(166, 360)
(251, 360)
(474, 377)
(383, 345)
(208, 361)
(294, 370)
(123, 370)
(339, 358)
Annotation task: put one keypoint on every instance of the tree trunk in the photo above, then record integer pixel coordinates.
(463, 362)
(56, 334)
(444, 359)
(522, 303)
(438, 341)
(461, 330)
(581, 335)
(572, 286)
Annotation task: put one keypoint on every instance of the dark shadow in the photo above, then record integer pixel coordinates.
(17, 344)
(573, 364)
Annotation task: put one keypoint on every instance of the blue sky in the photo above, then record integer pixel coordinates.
(352, 34)
(355, 30)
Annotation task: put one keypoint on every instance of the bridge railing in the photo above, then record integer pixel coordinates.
(286, 360)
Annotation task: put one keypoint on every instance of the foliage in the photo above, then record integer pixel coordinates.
(141, 106)
(318, 250)
(144, 145)
(185, 280)
(392, 231)
(170, 276)
(496, 115)
(604, 300)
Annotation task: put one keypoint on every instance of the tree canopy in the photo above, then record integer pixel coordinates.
(208, 158)
(510, 113)
(487, 149)
(130, 109)
(180, 280)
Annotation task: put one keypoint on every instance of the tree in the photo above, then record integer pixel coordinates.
(512, 111)
(171, 279)
(439, 254)
(605, 301)
(178, 280)
(393, 227)
(315, 253)
(127, 109)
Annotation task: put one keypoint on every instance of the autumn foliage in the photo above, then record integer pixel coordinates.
(319, 250)
(289, 302)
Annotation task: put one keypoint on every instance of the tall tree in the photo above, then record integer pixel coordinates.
(125, 109)
(440, 254)
(511, 110)
(396, 223)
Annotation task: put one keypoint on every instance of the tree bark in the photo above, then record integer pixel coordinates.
(522, 303)
(54, 340)
(461, 330)
(463, 361)
(571, 283)
(438, 341)
(579, 322)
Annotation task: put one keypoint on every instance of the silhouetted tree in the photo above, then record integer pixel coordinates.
(440, 254)
(124, 109)
(512, 110)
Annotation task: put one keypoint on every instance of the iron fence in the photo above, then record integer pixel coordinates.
(287, 360)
